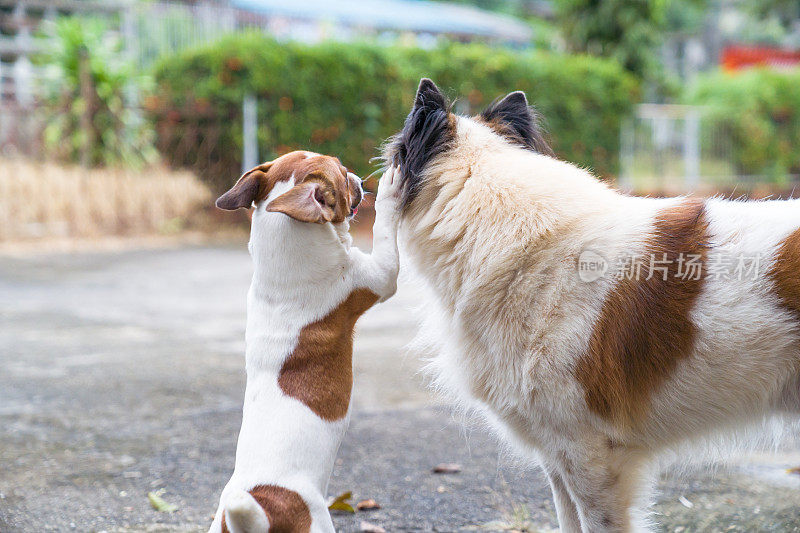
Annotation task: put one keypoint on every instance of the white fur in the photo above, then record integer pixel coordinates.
(495, 233)
(302, 272)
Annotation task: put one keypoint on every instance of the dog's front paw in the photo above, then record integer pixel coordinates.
(389, 198)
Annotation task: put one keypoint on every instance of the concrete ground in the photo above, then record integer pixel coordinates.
(122, 373)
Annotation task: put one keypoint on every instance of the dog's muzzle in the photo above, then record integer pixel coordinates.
(358, 193)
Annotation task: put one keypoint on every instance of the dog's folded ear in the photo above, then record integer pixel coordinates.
(517, 121)
(251, 187)
(303, 202)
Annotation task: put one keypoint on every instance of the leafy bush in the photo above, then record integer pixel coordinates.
(629, 31)
(345, 99)
(85, 85)
(760, 111)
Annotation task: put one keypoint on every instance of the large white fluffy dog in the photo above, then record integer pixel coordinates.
(594, 329)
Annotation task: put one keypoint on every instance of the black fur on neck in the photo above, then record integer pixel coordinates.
(512, 118)
(429, 131)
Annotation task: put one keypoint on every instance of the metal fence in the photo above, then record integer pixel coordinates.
(21, 130)
(663, 147)
(155, 29)
(679, 148)
(149, 31)
(199, 141)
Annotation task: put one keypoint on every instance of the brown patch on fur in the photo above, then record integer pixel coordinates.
(319, 372)
(786, 272)
(645, 328)
(323, 176)
(285, 509)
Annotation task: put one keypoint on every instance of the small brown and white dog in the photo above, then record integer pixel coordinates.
(309, 288)
(595, 330)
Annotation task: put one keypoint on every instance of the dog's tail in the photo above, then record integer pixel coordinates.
(243, 514)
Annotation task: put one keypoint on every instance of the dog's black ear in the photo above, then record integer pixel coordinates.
(429, 131)
(513, 118)
(253, 186)
(429, 97)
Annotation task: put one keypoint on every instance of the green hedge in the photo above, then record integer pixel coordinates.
(345, 99)
(759, 110)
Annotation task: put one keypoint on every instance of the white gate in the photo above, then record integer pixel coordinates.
(675, 148)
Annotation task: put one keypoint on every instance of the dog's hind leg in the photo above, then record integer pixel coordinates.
(603, 481)
(567, 512)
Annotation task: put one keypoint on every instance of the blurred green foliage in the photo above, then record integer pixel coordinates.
(760, 110)
(345, 99)
(629, 31)
(86, 82)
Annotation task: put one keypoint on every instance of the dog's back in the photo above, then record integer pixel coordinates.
(293, 422)
(309, 288)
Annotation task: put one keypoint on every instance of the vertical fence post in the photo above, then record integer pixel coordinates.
(23, 71)
(249, 133)
(128, 25)
(87, 91)
(5, 115)
(691, 148)
(626, 143)
(129, 16)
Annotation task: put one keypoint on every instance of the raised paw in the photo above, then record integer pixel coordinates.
(389, 189)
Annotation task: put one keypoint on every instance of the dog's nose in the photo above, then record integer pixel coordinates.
(358, 192)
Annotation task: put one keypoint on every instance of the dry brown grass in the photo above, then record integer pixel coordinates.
(46, 200)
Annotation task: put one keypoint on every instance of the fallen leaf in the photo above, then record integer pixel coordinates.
(447, 468)
(366, 527)
(339, 503)
(158, 502)
(367, 505)
(795, 470)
